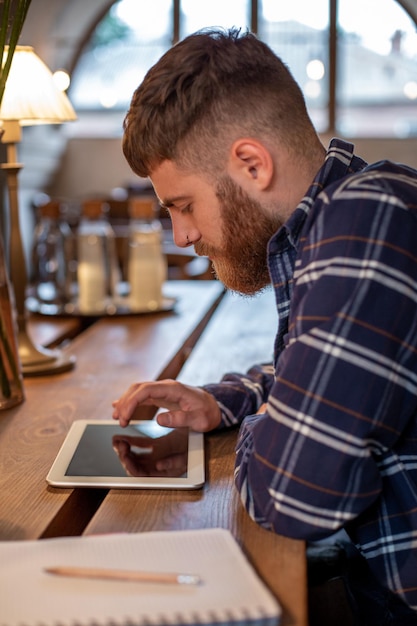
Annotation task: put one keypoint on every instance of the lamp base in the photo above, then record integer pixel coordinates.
(34, 360)
(38, 361)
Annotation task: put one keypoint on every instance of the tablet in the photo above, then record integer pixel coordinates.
(99, 453)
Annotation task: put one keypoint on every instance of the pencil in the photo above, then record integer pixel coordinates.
(125, 575)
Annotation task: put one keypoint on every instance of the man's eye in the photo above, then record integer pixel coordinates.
(186, 209)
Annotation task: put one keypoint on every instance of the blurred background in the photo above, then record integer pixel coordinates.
(356, 61)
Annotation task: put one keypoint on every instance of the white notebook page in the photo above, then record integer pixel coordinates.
(230, 591)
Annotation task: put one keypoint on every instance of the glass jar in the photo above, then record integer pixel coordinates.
(98, 272)
(147, 268)
(50, 255)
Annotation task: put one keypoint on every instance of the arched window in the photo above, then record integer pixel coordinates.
(356, 60)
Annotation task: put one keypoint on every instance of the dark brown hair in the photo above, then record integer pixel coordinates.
(205, 92)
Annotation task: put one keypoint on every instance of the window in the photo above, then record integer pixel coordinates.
(299, 35)
(195, 15)
(356, 60)
(120, 52)
(376, 89)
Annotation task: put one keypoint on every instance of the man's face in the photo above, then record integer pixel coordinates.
(224, 223)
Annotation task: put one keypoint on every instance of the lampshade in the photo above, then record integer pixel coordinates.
(31, 96)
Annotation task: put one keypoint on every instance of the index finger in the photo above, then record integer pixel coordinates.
(162, 394)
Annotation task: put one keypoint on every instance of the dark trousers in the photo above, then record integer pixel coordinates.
(344, 592)
(372, 604)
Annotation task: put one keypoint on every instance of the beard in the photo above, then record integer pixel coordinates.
(241, 262)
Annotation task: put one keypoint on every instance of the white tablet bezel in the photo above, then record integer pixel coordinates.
(57, 474)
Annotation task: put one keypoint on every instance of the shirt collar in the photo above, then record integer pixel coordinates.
(339, 162)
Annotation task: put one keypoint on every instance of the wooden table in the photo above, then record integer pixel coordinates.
(198, 342)
(111, 353)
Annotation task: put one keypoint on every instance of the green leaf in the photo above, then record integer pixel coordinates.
(12, 18)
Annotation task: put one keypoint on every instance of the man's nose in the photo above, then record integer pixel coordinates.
(184, 234)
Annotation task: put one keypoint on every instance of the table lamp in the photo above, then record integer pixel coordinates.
(30, 97)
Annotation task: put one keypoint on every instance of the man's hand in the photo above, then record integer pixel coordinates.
(186, 406)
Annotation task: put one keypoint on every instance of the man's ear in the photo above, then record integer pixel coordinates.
(251, 163)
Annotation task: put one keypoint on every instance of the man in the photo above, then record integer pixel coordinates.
(220, 128)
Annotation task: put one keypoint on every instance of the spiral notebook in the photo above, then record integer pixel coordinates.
(229, 591)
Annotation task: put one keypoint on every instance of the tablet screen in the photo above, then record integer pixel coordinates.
(142, 454)
(132, 451)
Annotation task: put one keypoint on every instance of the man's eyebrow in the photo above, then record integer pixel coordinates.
(168, 203)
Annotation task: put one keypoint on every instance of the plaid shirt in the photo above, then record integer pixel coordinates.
(337, 446)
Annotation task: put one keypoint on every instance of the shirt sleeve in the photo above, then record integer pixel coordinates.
(239, 395)
(345, 387)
